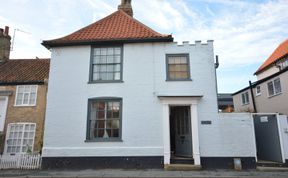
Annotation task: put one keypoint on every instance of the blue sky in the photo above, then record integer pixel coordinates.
(245, 32)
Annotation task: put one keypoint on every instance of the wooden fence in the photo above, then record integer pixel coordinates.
(21, 161)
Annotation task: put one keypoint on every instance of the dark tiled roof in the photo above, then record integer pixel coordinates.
(116, 27)
(21, 71)
(279, 52)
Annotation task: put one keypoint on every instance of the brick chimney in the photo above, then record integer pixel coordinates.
(5, 42)
(126, 7)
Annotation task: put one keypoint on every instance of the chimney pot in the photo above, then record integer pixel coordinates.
(126, 7)
(6, 32)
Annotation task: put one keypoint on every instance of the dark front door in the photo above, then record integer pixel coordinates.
(180, 117)
(267, 138)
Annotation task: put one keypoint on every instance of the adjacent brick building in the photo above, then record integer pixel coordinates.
(23, 89)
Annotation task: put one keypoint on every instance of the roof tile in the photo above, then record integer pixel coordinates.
(24, 71)
(117, 26)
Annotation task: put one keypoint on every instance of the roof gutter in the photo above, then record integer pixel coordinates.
(49, 44)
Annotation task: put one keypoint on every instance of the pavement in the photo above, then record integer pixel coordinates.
(149, 173)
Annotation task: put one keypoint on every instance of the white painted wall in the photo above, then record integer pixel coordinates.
(235, 136)
(144, 75)
(283, 120)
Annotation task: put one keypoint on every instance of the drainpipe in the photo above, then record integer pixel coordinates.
(252, 95)
(216, 65)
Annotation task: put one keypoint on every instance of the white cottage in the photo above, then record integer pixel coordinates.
(121, 95)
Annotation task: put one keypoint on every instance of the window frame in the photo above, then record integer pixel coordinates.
(105, 99)
(247, 100)
(91, 81)
(22, 137)
(274, 89)
(256, 91)
(25, 105)
(188, 64)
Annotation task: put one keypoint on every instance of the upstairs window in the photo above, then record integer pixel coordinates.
(106, 64)
(26, 95)
(274, 87)
(245, 98)
(258, 90)
(178, 68)
(104, 119)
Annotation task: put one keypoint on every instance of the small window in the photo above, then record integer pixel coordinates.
(274, 87)
(26, 95)
(20, 138)
(106, 64)
(258, 90)
(178, 67)
(104, 119)
(245, 98)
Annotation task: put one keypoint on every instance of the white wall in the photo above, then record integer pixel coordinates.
(144, 75)
(233, 136)
(270, 71)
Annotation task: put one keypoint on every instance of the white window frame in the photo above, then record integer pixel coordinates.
(258, 93)
(246, 98)
(274, 89)
(29, 93)
(23, 124)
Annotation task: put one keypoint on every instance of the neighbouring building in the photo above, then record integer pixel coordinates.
(23, 88)
(122, 95)
(225, 102)
(269, 93)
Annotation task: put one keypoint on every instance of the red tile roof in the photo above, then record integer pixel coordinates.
(279, 52)
(116, 27)
(23, 71)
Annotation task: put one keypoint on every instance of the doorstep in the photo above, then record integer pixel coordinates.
(182, 167)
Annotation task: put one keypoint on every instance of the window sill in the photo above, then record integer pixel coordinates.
(103, 140)
(245, 104)
(275, 95)
(258, 94)
(25, 105)
(179, 80)
(105, 81)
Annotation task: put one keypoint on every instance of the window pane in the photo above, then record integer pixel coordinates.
(32, 98)
(33, 89)
(110, 51)
(277, 85)
(96, 51)
(110, 59)
(117, 59)
(103, 51)
(96, 59)
(270, 89)
(19, 98)
(110, 76)
(26, 97)
(110, 68)
(113, 124)
(171, 60)
(117, 51)
(20, 89)
(117, 76)
(247, 97)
